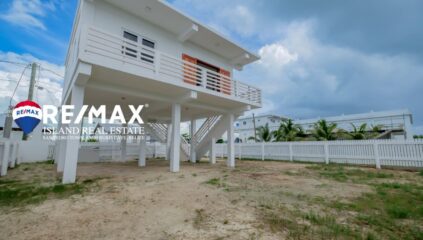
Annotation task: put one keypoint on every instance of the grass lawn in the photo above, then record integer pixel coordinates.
(256, 200)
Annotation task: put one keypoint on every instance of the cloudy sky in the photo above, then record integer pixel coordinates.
(318, 58)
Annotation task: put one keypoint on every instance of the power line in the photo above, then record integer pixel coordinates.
(48, 70)
(16, 63)
(17, 85)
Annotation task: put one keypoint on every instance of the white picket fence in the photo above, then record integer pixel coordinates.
(378, 153)
(9, 155)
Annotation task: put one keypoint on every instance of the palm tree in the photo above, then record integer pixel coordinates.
(187, 137)
(375, 131)
(263, 134)
(324, 131)
(287, 131)
(358, 133)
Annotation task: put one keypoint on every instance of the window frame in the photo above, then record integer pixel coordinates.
(149, 59)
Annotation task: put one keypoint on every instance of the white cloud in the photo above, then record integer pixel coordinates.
(303, 77)
(239, 19)
(48, 80)
(275, 56)
(27, 13)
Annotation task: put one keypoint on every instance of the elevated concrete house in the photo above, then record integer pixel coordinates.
(146, 52)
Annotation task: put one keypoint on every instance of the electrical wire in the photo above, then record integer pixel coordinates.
(17, 85)
(48, 70)
(11, 62)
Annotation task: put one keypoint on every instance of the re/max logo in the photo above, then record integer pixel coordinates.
(27, 111)
(50, 113)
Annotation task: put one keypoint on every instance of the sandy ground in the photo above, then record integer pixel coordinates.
(152, 203)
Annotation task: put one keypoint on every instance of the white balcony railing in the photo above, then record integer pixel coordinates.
(118, 48)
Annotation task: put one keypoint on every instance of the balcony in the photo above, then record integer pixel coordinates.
(164, 67)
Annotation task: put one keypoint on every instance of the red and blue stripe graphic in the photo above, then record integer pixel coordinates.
(27, 115)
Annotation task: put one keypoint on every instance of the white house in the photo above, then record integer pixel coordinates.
(135, 52)
(397, 124)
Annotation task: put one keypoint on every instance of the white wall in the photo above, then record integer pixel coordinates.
(34, 151)
(114, 20)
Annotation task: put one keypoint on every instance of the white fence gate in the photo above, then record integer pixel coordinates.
(378, 153)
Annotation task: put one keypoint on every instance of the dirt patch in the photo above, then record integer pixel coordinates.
(134, 203)
(202, 201)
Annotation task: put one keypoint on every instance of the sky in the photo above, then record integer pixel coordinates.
(318, 58)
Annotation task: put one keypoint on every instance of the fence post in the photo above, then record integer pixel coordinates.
(262, 151)
(376, 153)
(291, 154)
(240, 150)
(5, 159)
(326, 145)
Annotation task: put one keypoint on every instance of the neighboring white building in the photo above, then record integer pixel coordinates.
(146, 52)
(397, 123)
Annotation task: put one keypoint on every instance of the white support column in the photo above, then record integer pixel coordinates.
(123, 143)
(60, 145)
(193, 141)
(17, 154)
(5, 158)
(409, 135)
(61, 154)
(231, 140)
(175, 138)
(212, 155)
(142, 152)
(71, 147)
(168, 141)
(13, 154)
(58, 141)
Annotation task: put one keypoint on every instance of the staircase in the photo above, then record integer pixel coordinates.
(160, 132)
(213, 127)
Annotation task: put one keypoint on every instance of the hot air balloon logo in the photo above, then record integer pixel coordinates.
(27, 115)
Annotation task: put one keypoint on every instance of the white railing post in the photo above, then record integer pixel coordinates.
(376, 154)
(326, 146)
(291, 154)
(240, 151)
(203, 77)
(262, 151)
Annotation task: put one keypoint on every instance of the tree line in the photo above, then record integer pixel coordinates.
(322, 131)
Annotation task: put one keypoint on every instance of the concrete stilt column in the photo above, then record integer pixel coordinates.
(5, 158)
(123, 143)
(58, 141)
(193, 141)
(61, 153)
(175, 138)
(142, 152)
(168, 141)
(212, 155)
(231, 141)
(13, 154)
(71, 146)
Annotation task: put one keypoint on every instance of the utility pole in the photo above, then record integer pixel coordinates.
(255, 132)
(7, 129)
(31, 88)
